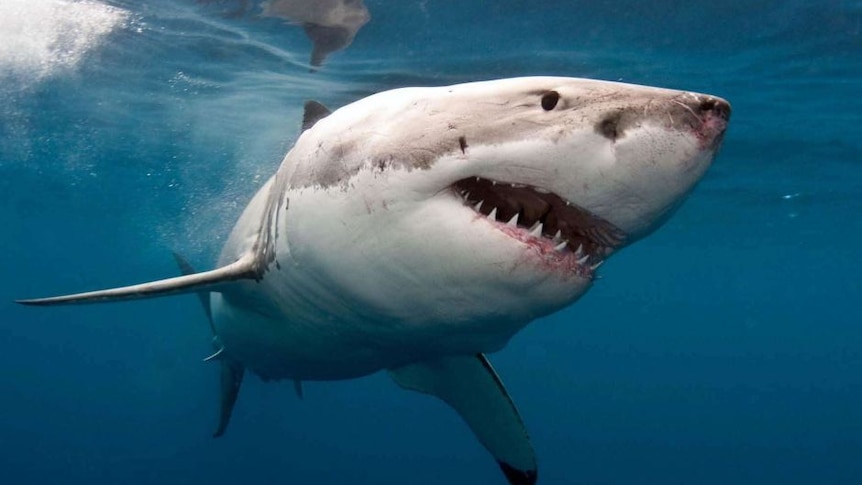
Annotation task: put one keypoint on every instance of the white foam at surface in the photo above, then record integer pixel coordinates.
(42, 38)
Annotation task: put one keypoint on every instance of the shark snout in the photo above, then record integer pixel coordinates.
(703, 115)
(711, 106)
(694, 107)
(711, 116)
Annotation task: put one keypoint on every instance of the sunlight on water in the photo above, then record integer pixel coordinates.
(40, 38)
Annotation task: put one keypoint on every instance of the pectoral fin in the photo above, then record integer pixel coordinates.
(243, 268)
(470, 385)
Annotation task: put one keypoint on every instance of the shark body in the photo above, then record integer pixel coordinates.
(418, 229)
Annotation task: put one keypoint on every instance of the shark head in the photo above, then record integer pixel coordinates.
(490, 202)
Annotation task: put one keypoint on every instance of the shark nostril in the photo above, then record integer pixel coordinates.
(716, 106)
(609, 126)
(707, 104)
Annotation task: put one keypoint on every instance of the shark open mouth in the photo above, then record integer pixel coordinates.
(564, 233)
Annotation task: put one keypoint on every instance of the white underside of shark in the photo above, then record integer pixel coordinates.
(417, 229)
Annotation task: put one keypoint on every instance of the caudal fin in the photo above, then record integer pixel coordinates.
(231, 371)
(231, 379)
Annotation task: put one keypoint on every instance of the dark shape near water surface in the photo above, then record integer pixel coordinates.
(331, 25)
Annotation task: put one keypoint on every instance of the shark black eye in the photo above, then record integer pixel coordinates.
(550, 100)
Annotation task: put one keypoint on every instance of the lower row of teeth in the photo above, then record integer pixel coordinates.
(536, 231)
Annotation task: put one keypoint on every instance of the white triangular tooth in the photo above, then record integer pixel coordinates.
(513, 221)
(580, 251)
(596, 266)
(478, 206)
(561, 246)
(558, 236)
(584, 259)
(493, 215)
(466, 195)
(537, 230)
(493, 182)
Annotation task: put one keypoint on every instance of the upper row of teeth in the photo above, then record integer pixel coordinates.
(536, 231)
(519, 186)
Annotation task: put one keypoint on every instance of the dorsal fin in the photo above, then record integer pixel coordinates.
(242, 269)
(313, 113)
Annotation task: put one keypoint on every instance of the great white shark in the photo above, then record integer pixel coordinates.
(418, 229)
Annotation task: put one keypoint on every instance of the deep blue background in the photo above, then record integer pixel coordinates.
(725, 348)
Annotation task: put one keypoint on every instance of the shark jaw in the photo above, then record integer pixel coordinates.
(563, 236)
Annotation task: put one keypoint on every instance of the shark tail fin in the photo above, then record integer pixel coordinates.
(244, 268)
(231, 371)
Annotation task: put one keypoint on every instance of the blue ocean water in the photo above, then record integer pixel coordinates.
(725, 348)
